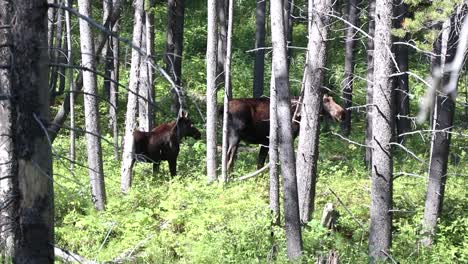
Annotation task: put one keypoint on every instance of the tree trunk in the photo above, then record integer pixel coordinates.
(211, 93)
(380, 233)
(106, 51)
(69, 3)
(92, 120)
(143, 85)
(273, 153)
(259, 66)
(175, 45)
(222, 19)
(352, 17)
(114, 89)
(227, 92)
(62, 113)
(401, 88)
(286, 146)
(150, 70)
(307, 152)
(57, 52)
(370, 80)
(26, 185)
(8, 160)
(288, 6)
(444, 110)
(132, 103)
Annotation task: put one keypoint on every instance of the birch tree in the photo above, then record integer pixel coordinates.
(286, 146)
(114, 86)
(92, 120)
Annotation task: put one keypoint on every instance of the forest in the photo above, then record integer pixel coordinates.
(222, 131)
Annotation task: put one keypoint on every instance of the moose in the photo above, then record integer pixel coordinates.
(163, 142)
(249, 121)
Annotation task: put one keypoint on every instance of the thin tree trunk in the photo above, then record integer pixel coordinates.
(56, 53)
(62, 113)
(352, 17)
(444, 111)
(106, 51)
(92, 120)
(273, 153)
(132, 103)
(400, 83)
(175, 45)
(114, 89)
(51, 27)
(259, 66)
(286, 146)
(143, 85)
(380, 233)
(227, 92)
(288, 6)
(8, 160)
(221, 7)
(307, 152)
(211, 92)
(150, 71)
(370, 80)
(69, 3)
(26, 184)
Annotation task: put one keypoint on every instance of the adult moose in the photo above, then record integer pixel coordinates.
(163, 142)
(249, 121)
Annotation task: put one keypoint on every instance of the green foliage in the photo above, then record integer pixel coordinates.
(184, 220)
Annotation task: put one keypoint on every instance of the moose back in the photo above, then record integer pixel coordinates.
(249, 121)
(163, 142)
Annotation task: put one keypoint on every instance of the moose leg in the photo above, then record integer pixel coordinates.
(232, 151)
(173, 166)
(262, 156)
(155, 167)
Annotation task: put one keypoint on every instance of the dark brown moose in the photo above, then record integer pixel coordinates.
(163, 142)
(249, 121)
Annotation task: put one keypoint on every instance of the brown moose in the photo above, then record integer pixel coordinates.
(163, 142)
(249, 121)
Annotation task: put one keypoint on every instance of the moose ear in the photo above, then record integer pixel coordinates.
(183, 114)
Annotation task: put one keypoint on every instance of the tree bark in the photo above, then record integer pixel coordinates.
(352, 17)
(211, 111)
(288, 7)
(69, 3)
(227, 93)
(307, 152)
(92, 120)
(273, 153)
(444, 111)
(114, 88)
(380, 233)
(26, 185)
(259, 66)
(222, 19)
(286, 146)
(175, 45)
(56, 54)
(370, 80)
(8, 160)
(132, 103)
(143, 85)
(401, 82)
(107, 51)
